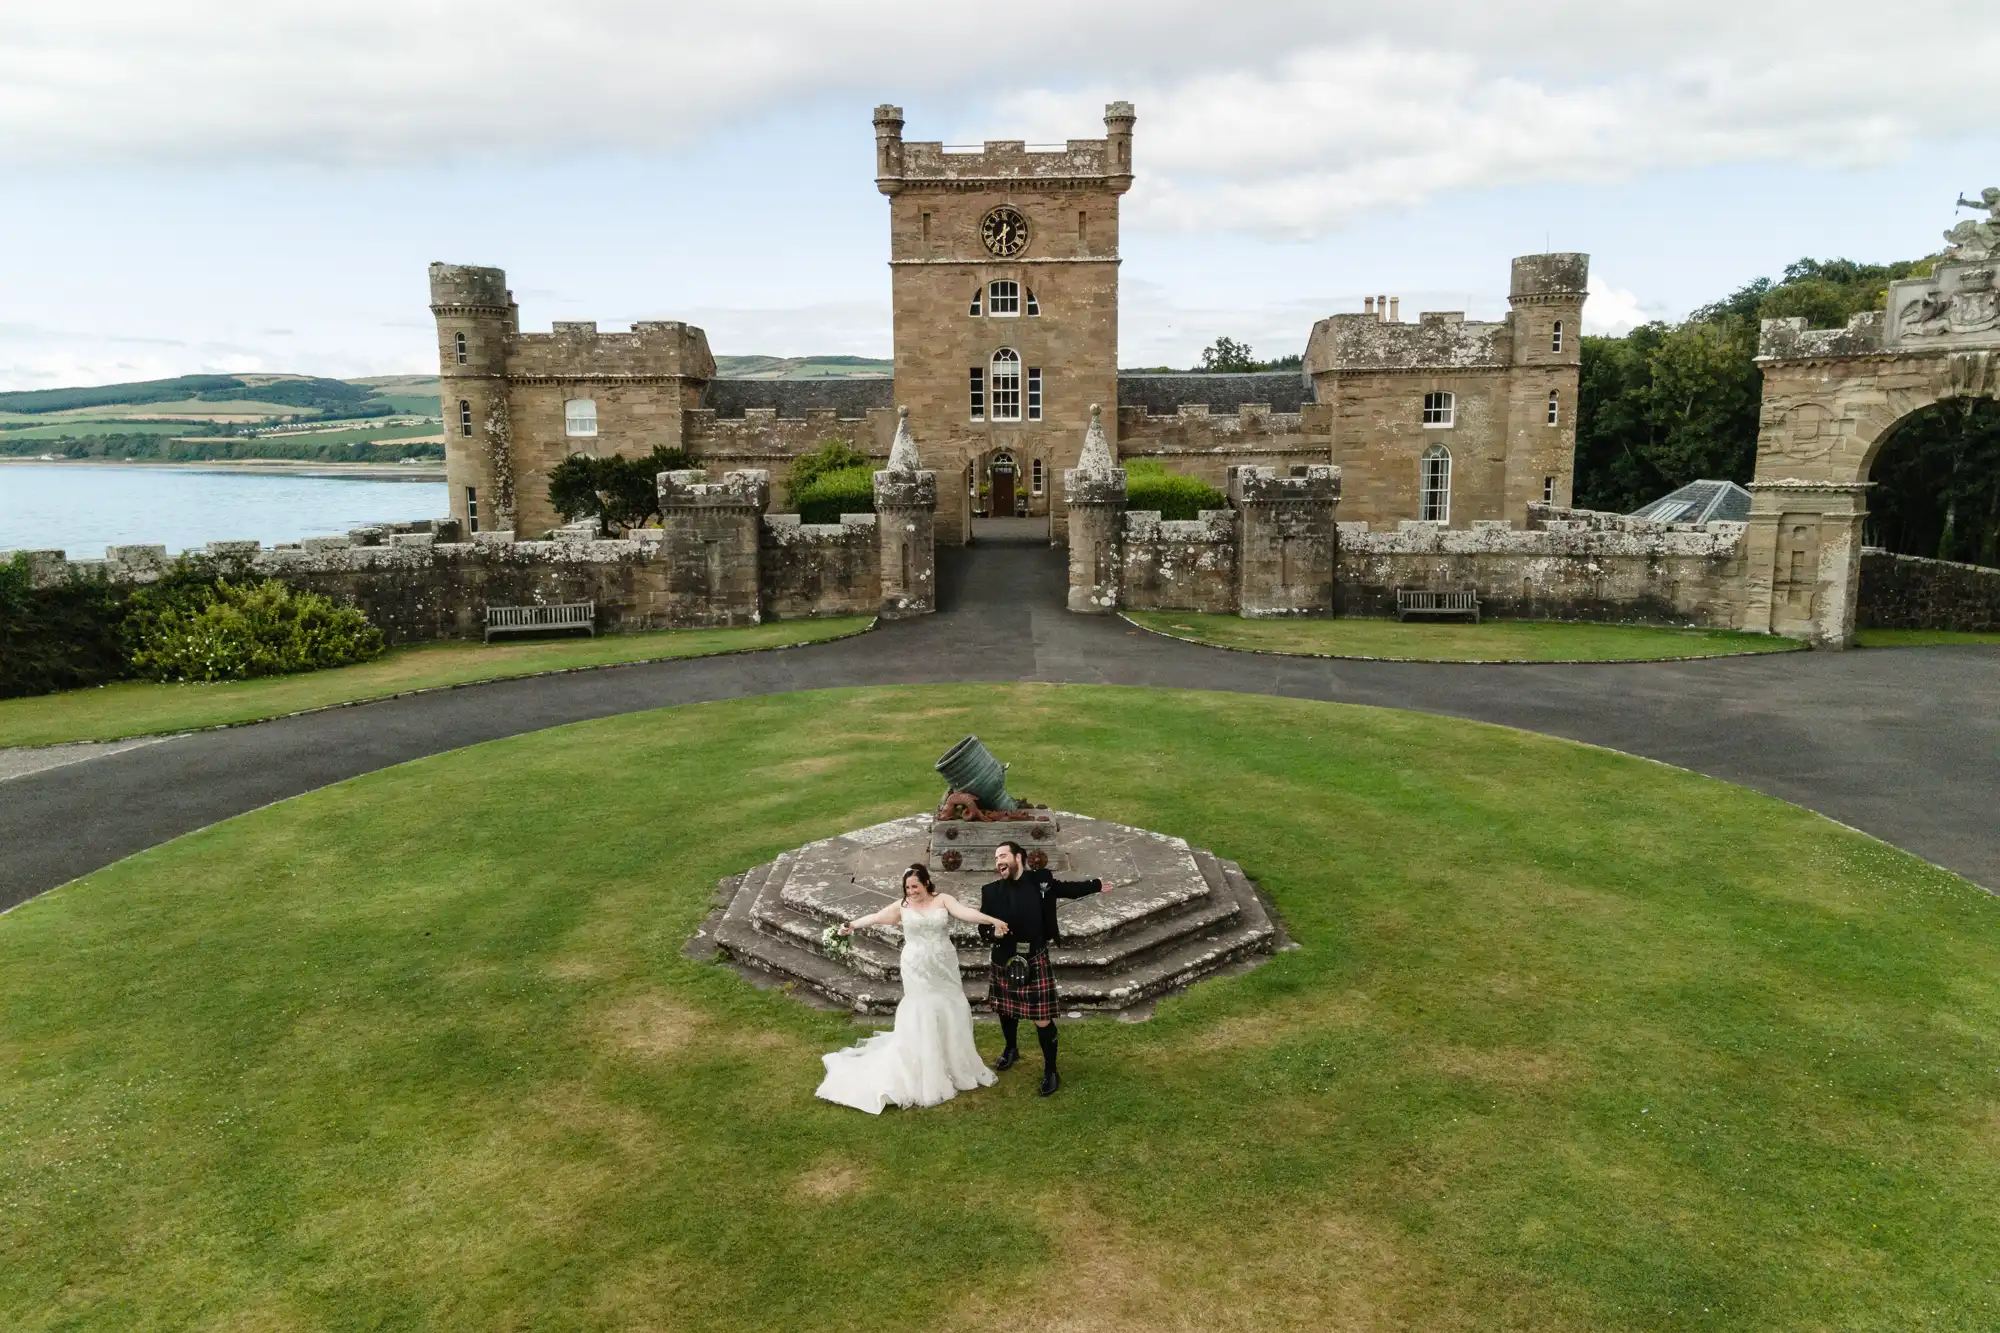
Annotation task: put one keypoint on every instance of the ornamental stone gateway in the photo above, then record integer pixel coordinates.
(1175, 915)
(1832, 397)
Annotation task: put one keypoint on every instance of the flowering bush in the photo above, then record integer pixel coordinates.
(233, 631)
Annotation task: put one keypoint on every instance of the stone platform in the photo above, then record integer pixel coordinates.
(1175, 913)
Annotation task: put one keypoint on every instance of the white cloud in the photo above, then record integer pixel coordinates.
(1285, 118)
(1613, 310)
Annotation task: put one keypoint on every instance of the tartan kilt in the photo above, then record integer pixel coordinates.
(1033, 999)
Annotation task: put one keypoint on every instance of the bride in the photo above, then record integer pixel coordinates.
(928, 1057)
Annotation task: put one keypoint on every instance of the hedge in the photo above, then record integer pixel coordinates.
(1148, 485)
(848, 490)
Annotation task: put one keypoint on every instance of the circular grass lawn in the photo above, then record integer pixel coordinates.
(1571, 1040)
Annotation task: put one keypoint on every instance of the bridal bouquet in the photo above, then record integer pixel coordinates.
(834, 943)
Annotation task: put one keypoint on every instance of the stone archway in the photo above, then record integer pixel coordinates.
(1831, 398)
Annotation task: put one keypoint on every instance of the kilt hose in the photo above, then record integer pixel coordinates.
(1033, 999)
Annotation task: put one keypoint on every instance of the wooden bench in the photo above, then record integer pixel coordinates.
(1437, 602)
(536, 619)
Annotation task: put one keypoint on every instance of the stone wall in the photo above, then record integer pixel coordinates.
(852, 399)
(1910, 592)
(1568, 565)
(1178, 565)
(1163, 395)
(819, 569)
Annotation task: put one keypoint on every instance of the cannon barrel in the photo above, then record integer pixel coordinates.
(970, 767)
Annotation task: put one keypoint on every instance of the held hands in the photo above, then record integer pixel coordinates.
(999, 927)
(1104, 886)
(844, 928)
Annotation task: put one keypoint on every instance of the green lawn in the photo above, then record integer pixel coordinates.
(139, 708)
(1917, 638)
(1571, 1041)
(1448, 641)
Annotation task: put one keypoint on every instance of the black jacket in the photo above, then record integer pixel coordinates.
(1028, 906)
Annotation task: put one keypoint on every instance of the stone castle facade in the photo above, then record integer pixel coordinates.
(1004, 291)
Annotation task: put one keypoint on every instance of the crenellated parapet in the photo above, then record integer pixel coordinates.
(576, 350)
(760, 433)
(748, 490)
(1313, 483)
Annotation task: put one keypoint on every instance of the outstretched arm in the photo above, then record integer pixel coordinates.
(888, 916)
(964, 913)
(1078, 888)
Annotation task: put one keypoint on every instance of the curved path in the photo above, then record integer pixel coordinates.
(1904, 744)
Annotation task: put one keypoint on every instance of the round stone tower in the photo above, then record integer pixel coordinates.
(476, 318)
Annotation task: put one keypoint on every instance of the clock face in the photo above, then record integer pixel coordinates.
(1005, 232)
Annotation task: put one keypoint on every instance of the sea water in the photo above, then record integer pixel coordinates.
(81, 508)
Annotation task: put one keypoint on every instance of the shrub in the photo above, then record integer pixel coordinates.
(624, 492)
(848, 490)
(833, 456)
(60, 637)
(233, 631)
(1148, 485)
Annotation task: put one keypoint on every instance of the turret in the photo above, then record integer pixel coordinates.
(1119, 117)
(475, 319)
(1547, 294)
(888, 148)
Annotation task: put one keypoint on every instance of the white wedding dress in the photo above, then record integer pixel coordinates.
(929, 1056)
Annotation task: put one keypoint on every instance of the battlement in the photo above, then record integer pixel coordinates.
(1253, 428)
(1561, 276)
(1443, 340)
(749, 488)
(1317, 483)
(921, 164)
(575, 349)
(457, 286)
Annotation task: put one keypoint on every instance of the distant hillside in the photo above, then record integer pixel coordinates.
(802, 367)
(287, 391)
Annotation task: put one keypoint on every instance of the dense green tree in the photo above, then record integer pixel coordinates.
(1937, 484)
(618, 491)
(832, 456)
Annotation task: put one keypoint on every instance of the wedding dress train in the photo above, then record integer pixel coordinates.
(929, 1056)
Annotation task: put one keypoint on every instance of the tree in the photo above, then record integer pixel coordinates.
(620, 492)
(1226, 355)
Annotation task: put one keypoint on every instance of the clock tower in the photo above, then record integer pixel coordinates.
(1004, 266)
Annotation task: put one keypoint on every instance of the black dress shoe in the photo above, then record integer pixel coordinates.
(1050, 1082)
(1007, 1059)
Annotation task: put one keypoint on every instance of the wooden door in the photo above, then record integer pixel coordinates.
(1003, 491)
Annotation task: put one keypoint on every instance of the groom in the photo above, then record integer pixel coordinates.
(1023, 985)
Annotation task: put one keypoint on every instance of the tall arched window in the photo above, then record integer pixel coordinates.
(580, 416)
(1555, 412)
(464, 417)
(1436, 503)
(1006, 386)
(1556, 339)
(458, 343)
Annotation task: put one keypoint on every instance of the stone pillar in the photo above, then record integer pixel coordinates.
(1287, 539)
(1802, 574)
(711, 545)
(1094, 491)
(906, 528)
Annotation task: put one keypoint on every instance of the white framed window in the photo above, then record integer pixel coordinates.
(1034, 393)
(1034, 307)
(1006, 385)
(978, 394)
(458, 345)
(580, 417)
(1436, 480)
(1003, 298)
(1548, 490)
(1439, 410)
(471, 509)
(464, 417)
(1556, 338)
(1035, 475)
(1555, 410)
(978, 293)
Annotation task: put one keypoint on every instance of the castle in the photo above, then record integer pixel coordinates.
(1004, 289)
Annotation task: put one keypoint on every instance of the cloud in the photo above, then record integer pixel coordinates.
(1614, 310)
(1281, 118)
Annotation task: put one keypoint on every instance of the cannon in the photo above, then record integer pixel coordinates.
(970, 767)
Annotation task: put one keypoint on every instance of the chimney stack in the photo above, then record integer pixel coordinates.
(1382, 308)
(1367, 305)
(1395, 310)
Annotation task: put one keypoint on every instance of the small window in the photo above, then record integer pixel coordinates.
(1556, 338)
(1554, 410)
(464, 417)
(1006, 385)
(458, 343)
(1082, 231)
(1034, 393)
(977, 293)
(1035, 476)
(1548, 490)
(1436, 503)
(1438, 410)
(580, 417)
(1003, 298)
(1034, 306)
(471, 509)
(978, 394)
(927, 228)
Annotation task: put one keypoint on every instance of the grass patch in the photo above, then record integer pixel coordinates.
(1445, 641)
(1918, 638)
(140, 708)
(1572, 1041)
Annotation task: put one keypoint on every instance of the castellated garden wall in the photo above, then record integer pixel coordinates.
(1179, 565)
(1910, 592)
(819, 569)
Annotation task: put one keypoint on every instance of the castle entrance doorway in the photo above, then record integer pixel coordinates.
(1001, 471)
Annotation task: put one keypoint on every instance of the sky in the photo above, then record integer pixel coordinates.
(229, 187)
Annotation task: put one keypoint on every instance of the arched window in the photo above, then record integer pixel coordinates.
(580, 416)
(458, 341)
(1556, 339)
(1003, 298)
(1034, 306)
(1555, 413)
(464, 417)
(1436, 505)
(977, 294)
(1006, 388)
(1439, 409)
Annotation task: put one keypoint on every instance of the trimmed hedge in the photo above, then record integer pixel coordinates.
(58, 638)
(848, 490)
(1148, 485)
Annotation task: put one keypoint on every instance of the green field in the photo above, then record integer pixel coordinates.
(70, 430)
(143, 708)
(1443, 641)
(1571, 1041)
(362, 434)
